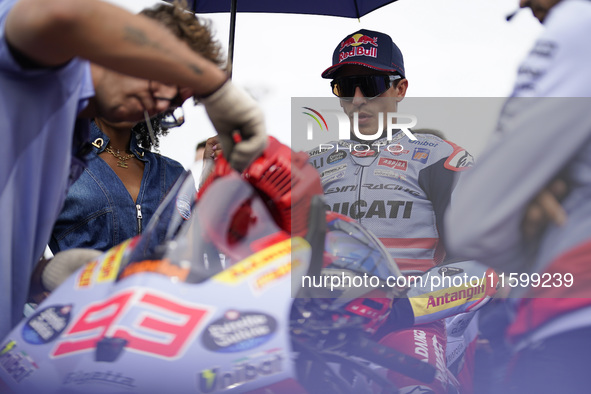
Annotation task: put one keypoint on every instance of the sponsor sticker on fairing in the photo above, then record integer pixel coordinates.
(15, 362)
(218, 378)
(239, 331)
(47, 324)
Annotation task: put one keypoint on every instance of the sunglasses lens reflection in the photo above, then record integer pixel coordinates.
(173, 118)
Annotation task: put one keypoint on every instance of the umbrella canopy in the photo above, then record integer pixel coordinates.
(342, 8)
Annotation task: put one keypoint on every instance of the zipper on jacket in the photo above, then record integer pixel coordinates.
(138, 209)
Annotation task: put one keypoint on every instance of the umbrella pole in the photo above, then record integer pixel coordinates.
(232, 34)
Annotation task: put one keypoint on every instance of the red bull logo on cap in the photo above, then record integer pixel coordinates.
(359, 39)
(355, 41)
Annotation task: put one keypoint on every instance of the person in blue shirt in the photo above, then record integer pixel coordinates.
(63, 62)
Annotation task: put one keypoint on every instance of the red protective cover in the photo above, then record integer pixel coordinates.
(285, 180)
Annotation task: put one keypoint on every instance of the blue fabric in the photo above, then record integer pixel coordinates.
(350, 9)
(367, 48)
(38, 109)
(99, 212)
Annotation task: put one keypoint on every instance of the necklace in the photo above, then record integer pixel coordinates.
(120, 159)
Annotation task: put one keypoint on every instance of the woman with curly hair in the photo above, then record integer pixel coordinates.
(126, 180)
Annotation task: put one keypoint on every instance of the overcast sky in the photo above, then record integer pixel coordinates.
(452, 48)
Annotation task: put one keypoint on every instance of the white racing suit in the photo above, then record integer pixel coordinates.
(398, 191)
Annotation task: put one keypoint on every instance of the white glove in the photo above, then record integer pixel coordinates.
(64, 264)
(230, 108)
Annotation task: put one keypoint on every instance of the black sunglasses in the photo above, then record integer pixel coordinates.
(371, 85)
(173, 116)
(175, 102)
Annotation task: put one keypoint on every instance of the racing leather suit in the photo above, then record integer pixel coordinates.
(398, 190)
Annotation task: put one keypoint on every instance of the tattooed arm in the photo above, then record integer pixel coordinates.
(52, 32)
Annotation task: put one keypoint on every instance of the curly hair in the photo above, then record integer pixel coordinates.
(195, 32)
(142, 135)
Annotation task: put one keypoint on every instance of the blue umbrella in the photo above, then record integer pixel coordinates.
(342, 8)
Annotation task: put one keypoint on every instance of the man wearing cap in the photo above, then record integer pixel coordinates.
(397, 188)
(407, 181)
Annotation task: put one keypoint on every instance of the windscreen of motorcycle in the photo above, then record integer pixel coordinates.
(351, 246)
(357, 262)
(227, 224)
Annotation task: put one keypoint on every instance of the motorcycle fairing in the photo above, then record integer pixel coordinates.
(153, 331)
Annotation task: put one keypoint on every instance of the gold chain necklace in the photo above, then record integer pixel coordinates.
(120, 159)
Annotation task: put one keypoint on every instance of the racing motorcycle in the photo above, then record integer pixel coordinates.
(220, 306)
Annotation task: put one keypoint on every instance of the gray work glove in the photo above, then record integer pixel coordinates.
(230, 108)
(64, 264)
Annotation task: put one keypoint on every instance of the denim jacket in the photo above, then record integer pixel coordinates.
(99, 212)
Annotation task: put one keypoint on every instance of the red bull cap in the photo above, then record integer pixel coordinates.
(367, 48)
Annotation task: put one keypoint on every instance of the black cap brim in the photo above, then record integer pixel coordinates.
(331, 71)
